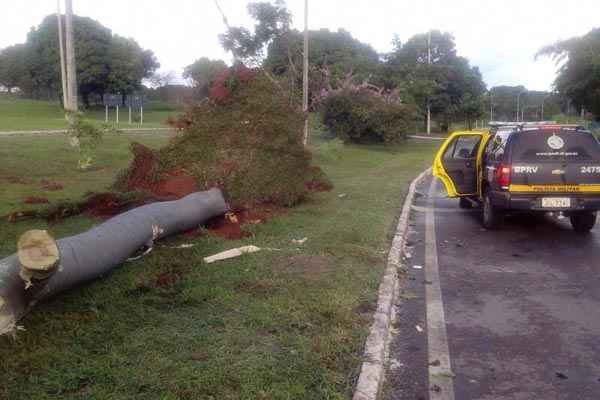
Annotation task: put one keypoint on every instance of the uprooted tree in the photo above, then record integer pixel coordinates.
(245, 139)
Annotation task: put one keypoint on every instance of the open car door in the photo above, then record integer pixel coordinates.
(456, 163)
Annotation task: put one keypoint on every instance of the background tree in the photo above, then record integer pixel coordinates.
(453, 88)
(201, 73)
(579, 76)
(12, 65)
(129, 64)
(104, 62)
(271, 21)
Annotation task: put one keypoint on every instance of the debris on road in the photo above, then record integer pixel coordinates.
(417, 266)
(436, 388)
(232, 253)
(435, 363)
(561, 375)
(419, 329)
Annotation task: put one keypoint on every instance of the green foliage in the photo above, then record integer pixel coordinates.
(361, 116)
(249, 143)
(202, 72)
(85, 137)
(504, 101)
(104, 62)
(272, 21)
(339, 51)
(12, 65)
(579, 76)
(453, 89)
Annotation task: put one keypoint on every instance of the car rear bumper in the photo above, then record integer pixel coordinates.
(533, 202)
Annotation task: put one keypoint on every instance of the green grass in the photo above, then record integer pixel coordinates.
(33, 158)
(18, 113)
(286, 324)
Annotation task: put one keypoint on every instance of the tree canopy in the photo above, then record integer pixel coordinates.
(579, 76)
(105, 62)
(202, 72)
(12, 62)
(446, 81)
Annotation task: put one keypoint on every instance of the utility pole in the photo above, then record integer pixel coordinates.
(491, 105)
(61, 44)
(305, 74)
(543, 100)
(518, 104)
(428, 101)
(70, 56)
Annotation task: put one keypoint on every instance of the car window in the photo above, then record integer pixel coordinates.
(546, 145)
(463, 147)
(488, 147)
(499, 146)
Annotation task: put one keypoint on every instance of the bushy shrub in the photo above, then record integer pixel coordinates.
(362, 116)
(245, 138)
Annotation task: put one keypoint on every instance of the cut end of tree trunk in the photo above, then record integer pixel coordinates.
(38, 254)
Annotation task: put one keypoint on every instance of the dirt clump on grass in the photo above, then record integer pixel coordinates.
(231, 224)
(245, 138)
(35, 200)
(51, 185)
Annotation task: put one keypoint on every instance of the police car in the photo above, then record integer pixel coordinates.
(534, 167)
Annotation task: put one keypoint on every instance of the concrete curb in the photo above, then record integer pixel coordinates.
(376, 347)
(426, 137)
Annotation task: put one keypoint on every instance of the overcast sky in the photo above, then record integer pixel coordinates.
(499, 36)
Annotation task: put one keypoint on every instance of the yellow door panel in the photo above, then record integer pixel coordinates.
(440, 172)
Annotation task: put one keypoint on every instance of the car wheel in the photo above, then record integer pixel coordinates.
(492, 216)
(583, 221)
(463, 202)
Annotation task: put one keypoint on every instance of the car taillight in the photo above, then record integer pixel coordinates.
(503, 174)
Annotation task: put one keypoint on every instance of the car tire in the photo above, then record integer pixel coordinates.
(463, 202)
(492, 216)
(583, 221)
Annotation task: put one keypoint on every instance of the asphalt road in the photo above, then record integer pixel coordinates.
(519, 308)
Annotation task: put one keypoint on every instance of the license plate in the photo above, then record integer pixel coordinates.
(556, 202)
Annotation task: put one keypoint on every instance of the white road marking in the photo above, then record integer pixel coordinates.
(444, 210)
(441, 382)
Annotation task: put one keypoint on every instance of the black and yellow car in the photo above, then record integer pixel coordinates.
(525, 167)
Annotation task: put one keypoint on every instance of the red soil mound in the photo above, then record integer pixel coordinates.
(35, 200)
(143, 174)
(229, 225)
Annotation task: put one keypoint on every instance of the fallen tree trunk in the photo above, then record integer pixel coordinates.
(38, 271)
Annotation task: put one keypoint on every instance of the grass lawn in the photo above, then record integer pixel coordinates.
(286, 324)
(25, 114)
(33, 158)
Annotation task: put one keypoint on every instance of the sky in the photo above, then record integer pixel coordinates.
(501, 37)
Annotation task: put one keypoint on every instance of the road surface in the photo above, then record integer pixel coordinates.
(509, 314)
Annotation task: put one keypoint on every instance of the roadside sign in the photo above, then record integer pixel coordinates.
(134, 100)
(112, 100)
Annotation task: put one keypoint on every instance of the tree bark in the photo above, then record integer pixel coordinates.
(31, 276)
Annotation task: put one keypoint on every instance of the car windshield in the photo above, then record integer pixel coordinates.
(546, 145)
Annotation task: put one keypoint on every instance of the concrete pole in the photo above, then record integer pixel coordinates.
(428, 102)
(305, 74)
(491, 106)
(61, 45)
(70, 56)
(518, 99)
